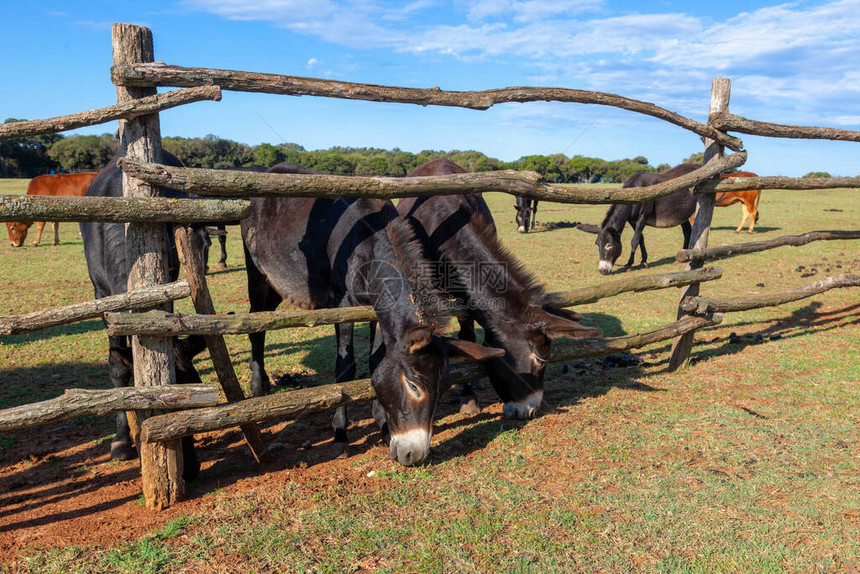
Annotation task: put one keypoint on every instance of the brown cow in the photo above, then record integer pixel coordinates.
(74, 184)
(748, 197)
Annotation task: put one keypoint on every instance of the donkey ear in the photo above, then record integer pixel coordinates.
(555, 321)
(468, 350)
(417, 338)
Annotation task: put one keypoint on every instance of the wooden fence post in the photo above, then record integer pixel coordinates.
(720, 93)
(140, 138)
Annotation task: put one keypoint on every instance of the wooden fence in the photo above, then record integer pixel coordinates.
(136, 76)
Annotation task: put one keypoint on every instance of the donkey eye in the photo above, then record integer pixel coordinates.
(608, 246)
(412, 388)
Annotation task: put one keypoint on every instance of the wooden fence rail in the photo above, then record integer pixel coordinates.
(686, 255)
(705, 305)
(144, 298)
(121, 209)
(523, 183)
(291, 404)
(161, 74)
(733, 123)
(777, 183)
(160, 322)
(124, 111)
(81, 402)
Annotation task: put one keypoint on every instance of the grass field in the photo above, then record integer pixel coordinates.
(745, 461)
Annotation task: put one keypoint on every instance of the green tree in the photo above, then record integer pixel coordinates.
(84, 153)
(619, 170)
(26, 157)
(817, 174)
(586, 169)
(697, 158)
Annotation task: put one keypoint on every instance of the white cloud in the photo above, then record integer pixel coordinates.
(786, 56)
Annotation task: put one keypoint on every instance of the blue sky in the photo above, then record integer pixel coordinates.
(793, 63)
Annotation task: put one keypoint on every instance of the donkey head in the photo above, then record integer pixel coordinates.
(609, 245)
(407, 384)
(518, 376)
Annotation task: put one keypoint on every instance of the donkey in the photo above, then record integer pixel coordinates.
(667, 211)
(108, 267)
(458, 234)
(318, 253)
(526, 211)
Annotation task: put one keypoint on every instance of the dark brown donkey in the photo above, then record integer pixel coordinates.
(667, 211)
(459, 237)
(318, 253)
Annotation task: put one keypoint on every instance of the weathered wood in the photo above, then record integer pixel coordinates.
(144, 298)
(234, 324)
(121, 209)
(155, 322)
(279, 406)
(140, 138)
(292, 404)
(161, 74)
(705, 305)
(594, 293)
(522, 183)
(81, 402)
(777, 182)
(686, 255)
(733, 123)
(193, 264)
(581, 348)
(720, 94)
(126, 111)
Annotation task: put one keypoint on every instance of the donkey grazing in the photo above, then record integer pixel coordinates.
(526, 212)
(318, 253)
(105, 252)
(458, 235)
(667, 211)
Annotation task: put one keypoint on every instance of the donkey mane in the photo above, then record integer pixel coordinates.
(419, 272)
(609, 214)
(526, 288)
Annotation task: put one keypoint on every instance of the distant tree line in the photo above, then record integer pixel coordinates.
(28, 157)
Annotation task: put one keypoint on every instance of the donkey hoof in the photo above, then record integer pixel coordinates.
(340, 450)
(122, 451)
(469, 405)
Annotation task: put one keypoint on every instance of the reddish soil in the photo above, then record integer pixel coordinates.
(59, 488)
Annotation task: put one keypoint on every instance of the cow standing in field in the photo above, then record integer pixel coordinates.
(65, 184)
(748, 198)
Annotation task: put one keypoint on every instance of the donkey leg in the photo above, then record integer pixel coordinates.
(344, 371)
(688, 232)
(635, 242)
(55, 226)
(468, 399)
(262, 298)
(377, 352)
(120, 368)
(534, 213)
(222, 240)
